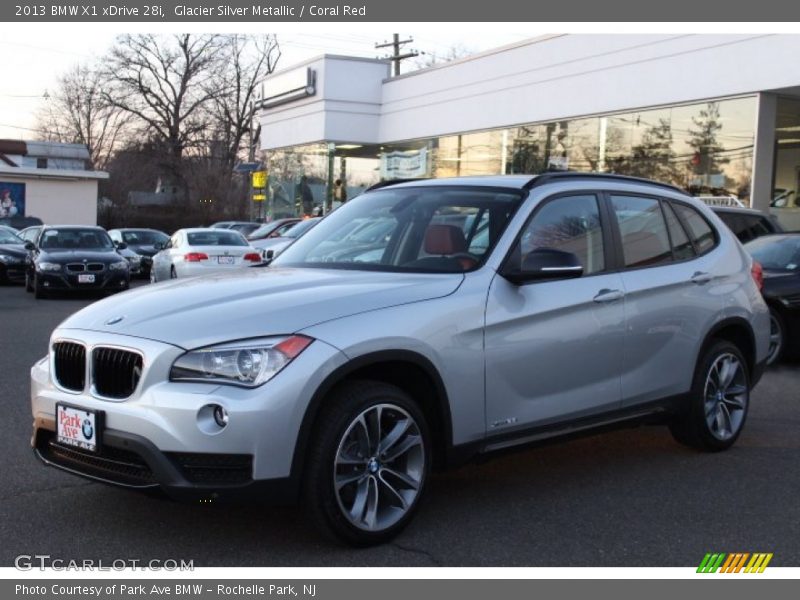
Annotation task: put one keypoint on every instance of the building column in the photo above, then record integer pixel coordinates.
(764, 152)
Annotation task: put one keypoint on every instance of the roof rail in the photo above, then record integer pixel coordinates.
(388, 182)
(556, 175)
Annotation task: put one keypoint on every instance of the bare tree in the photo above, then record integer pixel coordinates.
(431, 59)
(167, 83)
(77, 112)
(248, 59)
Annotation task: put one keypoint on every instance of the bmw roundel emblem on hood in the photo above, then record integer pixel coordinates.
(114, 320)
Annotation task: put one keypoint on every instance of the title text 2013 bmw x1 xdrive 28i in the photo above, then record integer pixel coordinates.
(490, 312)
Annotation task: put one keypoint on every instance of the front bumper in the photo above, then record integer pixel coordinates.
(14, 272)
(158, 438)
(103, 280)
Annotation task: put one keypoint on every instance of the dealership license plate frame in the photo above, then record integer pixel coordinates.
(99, 425)
(86, 278)
(226, 260)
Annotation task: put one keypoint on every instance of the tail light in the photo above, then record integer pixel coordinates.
(195, 256)
(758, 274)
(252, 257)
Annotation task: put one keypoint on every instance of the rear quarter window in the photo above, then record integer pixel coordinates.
(700, 231)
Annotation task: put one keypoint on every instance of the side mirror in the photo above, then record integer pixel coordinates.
(269, 254)
(120, 245)
(546, 263)
(158, 245)
(30, 246)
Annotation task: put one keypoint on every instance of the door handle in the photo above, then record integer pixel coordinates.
(606, 295)
(701, 277)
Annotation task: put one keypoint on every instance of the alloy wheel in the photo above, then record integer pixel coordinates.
(379, 467)
(725, 396)
(775, 338)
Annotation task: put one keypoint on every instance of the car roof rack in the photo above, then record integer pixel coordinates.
(388, 182)
(551, 176)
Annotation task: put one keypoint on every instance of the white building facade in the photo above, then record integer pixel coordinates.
(714, 114)
(47, 180)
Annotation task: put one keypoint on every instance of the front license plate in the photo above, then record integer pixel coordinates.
(78, 427)
(226, 260)
(86, 278)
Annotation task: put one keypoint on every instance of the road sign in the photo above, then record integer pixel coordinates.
(259, 197)
(259, 179)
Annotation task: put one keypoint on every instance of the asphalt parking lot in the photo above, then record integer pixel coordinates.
(629, 498)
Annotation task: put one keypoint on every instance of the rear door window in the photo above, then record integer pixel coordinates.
(681, 245)
(643, 231)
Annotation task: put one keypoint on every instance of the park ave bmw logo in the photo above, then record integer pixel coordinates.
(87, 429)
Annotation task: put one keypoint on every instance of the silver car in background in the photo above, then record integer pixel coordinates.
(420, 325)
(202, 251)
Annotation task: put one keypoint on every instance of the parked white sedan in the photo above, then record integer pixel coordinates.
(191, 252)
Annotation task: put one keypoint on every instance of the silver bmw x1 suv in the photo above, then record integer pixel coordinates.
(419, 325)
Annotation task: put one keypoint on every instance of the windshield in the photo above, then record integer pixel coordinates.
(76, 239)
(424, 229)
(219, 237)
(776, 253)
(300, 228)
(144, 237)
(6, 237)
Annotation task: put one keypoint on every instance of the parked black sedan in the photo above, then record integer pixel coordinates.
(779, 256)
(12, 257)
(75, 258)
(142, 242)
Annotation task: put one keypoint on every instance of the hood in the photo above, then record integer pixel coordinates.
(200, 311)
(79, 255)
(143, 249)
(17, 250)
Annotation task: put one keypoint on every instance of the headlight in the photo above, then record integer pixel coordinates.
(248, 363)
(118, 266)
(134, 260)
(10, 260)
(48, 266)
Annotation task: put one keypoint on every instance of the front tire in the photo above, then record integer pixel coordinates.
(718, 401)
(28, 283)
(38, 292)
(368, 463)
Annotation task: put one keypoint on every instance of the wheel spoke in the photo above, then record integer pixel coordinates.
(393, 492)
(371, 515)
(364, 442)
(344, 480)
(726, 419)
(406, 479)
(410, 441)
(360, 502)
(394, 435)
(727, 372)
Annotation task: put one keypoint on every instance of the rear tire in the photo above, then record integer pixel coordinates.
(718, 401)
(368, 463)
(777, 336)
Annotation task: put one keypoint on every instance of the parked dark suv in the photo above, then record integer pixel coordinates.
(746, 223)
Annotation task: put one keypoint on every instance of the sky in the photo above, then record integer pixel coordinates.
(34, 59)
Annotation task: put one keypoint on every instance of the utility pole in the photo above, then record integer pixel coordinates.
(396, 45)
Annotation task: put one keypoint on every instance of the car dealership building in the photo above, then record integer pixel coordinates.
(718, 115)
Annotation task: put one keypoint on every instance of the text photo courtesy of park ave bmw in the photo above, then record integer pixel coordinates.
(285, 291)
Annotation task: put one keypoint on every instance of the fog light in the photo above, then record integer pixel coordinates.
(220, 416)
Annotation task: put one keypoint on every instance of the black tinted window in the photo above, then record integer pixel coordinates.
(645, 242)
(699, 229)
(681, 245)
